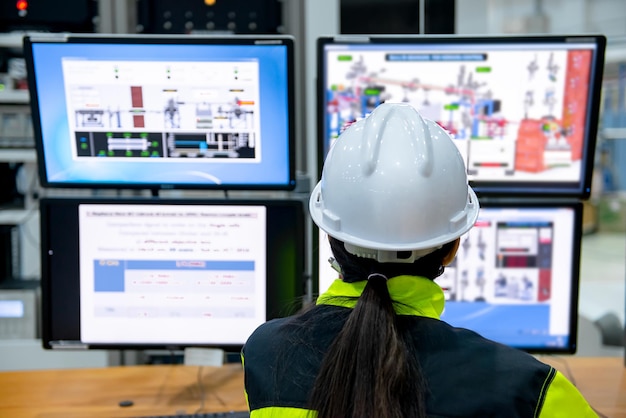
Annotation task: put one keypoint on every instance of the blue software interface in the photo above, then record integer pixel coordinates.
(183, 113)
(514, 279)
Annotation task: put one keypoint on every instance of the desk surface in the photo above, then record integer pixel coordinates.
(154, 390)
(161, 390)
(602, 380)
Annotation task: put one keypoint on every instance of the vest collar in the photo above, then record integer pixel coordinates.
(412, 295)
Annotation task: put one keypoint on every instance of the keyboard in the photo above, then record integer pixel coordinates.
(230, 414)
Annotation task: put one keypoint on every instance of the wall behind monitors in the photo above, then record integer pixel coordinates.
(192, 16)
(522, 110)
(75, 16)
(397, 16)
(167, 273)
(163, 111)
(515, 278)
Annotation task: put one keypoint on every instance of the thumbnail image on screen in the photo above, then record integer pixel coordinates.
(514, 279)
(163, 112)
(522, 111)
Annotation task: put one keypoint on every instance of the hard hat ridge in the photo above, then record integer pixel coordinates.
(374, 130)
(394, 182)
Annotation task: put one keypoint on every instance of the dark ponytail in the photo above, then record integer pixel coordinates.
(370, 369)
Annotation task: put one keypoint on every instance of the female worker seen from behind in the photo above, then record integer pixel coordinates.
(394, 200)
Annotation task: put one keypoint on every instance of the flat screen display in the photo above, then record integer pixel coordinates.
(515, 276)
(161, 112)
(167, 273)
(523, 111)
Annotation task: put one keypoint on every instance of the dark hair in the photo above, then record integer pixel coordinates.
(370, 369)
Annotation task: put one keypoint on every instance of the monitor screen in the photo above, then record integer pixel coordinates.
(515, 277)
(147, 273)
(162, 112)
(523, 111)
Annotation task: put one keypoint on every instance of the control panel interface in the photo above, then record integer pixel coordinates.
(157, 109)
(163, 112)
(514, 278)
(520, 113)
(195, 273)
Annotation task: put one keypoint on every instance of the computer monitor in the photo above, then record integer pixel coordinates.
(163, 111)
(523, 110)
(515, 277)
(167, 273)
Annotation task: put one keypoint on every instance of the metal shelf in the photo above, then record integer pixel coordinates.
(8, 155)
(14, 96)
(614, 133)
(13, 216)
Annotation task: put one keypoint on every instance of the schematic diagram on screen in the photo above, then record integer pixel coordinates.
(168, 110)
(516, 115)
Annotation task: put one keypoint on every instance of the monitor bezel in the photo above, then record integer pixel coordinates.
(494, 189)
(59, 294)
(577, 208)
(287, 41)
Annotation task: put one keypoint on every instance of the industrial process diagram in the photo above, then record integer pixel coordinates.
(513, 114)
(137, 109)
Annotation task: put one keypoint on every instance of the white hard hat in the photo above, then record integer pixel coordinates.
(394, 183)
